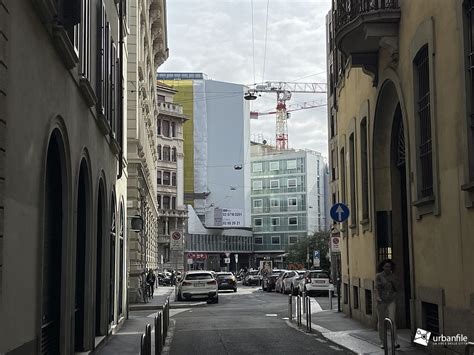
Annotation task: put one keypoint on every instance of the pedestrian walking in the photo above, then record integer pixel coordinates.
(386, 286)
(150, 278)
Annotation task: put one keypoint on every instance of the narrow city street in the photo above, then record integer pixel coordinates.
(247, 322)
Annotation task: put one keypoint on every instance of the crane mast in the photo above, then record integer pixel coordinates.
(284, 90)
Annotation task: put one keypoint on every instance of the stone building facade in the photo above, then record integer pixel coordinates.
(401, 138)
(147, 50)
(62, 216)
(172, 211)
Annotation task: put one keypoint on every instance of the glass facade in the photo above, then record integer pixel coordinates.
(279, 202)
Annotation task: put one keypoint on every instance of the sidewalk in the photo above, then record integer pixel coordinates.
(353, 335)
(127, 339)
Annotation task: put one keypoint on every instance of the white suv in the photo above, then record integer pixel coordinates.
(198, 284)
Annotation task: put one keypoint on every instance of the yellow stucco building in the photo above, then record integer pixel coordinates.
(401, 147)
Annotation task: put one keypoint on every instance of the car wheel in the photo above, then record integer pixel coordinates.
(292, 291)
(216, 300)
(180, 298)
(235, 289)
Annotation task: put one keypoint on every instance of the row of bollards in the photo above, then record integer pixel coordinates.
(303, 308)
(161, 323)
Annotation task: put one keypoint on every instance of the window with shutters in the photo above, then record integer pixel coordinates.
(84, 28)
(173, 129)
(113, 87)
(364, 169)
(166, 202)
(158, 127)
(166, 178)
(173, 179)
(469, 51)
(166, 153)
(424, 149)
(352, 177)
(173, 203)
(159, 177)
(102, 61)
(165, 128)
(174, 155)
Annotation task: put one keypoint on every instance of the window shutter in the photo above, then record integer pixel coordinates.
(100, 57)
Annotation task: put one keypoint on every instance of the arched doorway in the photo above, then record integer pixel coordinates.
(390, 169)
(55, 203)
(82, 231)
(99, 330)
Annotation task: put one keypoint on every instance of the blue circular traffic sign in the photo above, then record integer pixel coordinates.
(339, 212)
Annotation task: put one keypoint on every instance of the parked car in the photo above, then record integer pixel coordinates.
(226, 281)
(279, 281)
(289, 280)
(198, 284)
(315, 281)
(251, 278)
(268, 282)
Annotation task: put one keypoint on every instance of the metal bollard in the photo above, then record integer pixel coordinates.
(158, 334)
(290, 307)
(142, 345)
(164, 322)
(299, 310)
(388, 323)
(468, 348)
(304, 302)
(330, 299)
(309, 314)
(148, 339)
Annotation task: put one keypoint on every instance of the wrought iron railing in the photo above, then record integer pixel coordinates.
(348, 10)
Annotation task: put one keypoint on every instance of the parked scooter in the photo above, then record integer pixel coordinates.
(164, 279)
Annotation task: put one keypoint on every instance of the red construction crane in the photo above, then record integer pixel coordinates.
(284, 90)
(290, 108)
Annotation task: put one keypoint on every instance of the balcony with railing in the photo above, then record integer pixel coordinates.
(363, 26)
(169, 108)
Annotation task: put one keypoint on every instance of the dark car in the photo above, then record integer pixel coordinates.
(226, 281)
(251, 278)
(268, 281)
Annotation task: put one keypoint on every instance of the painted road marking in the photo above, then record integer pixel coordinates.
(321, 340)
(271, 315)
(335, 348)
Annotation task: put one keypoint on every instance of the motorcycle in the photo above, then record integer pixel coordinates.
(164, 279)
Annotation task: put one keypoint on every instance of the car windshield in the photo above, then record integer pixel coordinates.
(319, 275)
(253, 272)
(301, 272)
(224, 276)
(202, 276)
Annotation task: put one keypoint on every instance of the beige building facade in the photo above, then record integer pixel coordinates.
(147, 50)
(401, 148)
(62, 209)
(170, 179)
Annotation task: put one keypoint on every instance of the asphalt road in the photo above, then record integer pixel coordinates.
(247, 322)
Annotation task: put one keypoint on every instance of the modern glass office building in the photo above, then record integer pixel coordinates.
(288, 190)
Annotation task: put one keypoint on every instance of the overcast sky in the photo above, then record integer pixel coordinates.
(215, 37)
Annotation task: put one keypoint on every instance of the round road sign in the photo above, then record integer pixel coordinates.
(176, 235)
